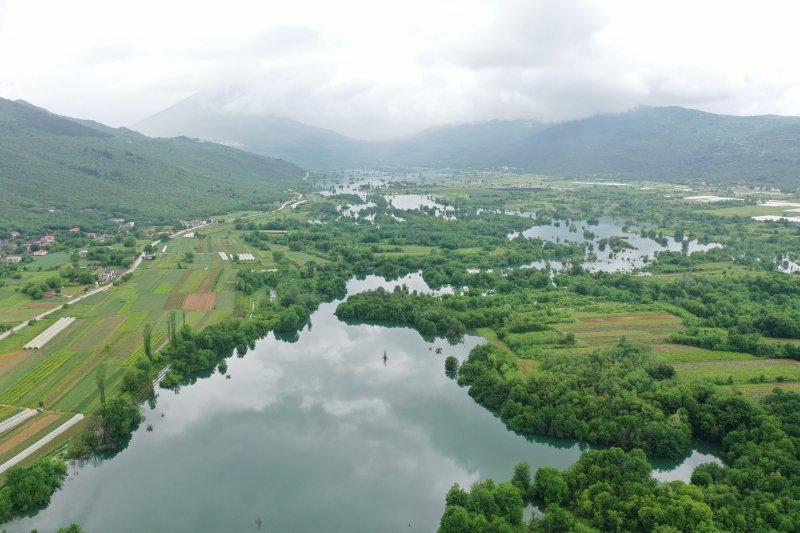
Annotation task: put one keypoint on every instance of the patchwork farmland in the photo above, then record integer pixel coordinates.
(745, 373)
(187, 276)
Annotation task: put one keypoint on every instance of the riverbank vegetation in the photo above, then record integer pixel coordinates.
(643, 358)
(613, 490)
(27, 490)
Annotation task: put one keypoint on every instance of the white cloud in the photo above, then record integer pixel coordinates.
(376, 69)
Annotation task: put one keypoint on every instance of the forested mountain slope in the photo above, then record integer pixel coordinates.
(57, 172)
(660, 143)
(669, 144)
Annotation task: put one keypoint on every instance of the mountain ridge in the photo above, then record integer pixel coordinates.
(663, 143)
(59, 172)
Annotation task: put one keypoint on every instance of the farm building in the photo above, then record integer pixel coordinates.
(107, 275)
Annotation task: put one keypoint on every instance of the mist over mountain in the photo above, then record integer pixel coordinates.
(268, 135)
(661, 143)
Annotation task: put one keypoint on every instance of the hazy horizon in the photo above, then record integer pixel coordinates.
(370, 70)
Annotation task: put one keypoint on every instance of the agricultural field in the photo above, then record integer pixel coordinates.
(600, 330)
(188, 278)
(651, 329)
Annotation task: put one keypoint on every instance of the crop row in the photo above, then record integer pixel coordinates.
(155, 342)
(32, 378)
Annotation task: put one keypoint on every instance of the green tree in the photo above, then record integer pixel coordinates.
(522, 477)
(72, 528)
(455, 519)
(100, 377)
(556, 520)
(147, 340)
(549, 485)
(28, 490)
(172, 329)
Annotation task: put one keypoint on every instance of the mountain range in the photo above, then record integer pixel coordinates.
(60, 172)
(659, 143)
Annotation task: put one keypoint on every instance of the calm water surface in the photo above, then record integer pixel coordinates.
(319, 434)
(643, 249)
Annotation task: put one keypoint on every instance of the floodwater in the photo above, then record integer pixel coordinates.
(322, 434)
(641, 252)
(413, 202)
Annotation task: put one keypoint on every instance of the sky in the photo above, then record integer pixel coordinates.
(376, 69)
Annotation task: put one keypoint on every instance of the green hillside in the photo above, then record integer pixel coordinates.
(667, 144)
(57, 172)
(658, 143)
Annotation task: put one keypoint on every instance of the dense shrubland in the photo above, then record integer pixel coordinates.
(612, 490)
(27, 490)
(618, 397)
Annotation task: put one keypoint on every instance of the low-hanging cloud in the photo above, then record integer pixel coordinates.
(378, 73)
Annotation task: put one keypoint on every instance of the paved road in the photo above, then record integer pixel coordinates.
(293, 202)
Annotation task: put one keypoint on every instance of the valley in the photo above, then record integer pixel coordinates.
(460, 266)
(543, 272)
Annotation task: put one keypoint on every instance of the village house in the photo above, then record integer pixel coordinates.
(83, 254)
(13, 259)
(48, 239)
(106, 276)
(75, 230)
(40, 252)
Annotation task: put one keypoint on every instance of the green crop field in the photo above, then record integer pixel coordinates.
(7, 411)
(597, 330)
(678, 353)
(44, 262)
(61, 376)
(16, 307)
(774, 371)
(27, 433)
(410, 250)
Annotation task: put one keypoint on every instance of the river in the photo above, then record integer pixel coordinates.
(317, 435)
